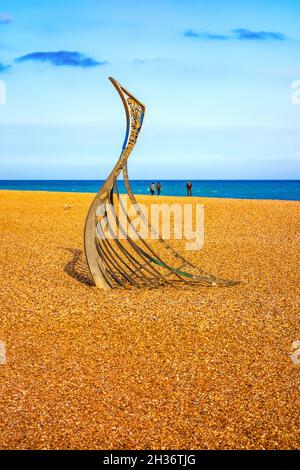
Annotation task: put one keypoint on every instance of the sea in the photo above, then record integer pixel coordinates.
(288, 190)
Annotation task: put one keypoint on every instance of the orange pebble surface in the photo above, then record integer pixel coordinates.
(192, 368)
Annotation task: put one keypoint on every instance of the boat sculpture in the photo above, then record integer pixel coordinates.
(115, 258)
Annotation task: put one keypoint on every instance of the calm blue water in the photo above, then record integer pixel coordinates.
(287, 190)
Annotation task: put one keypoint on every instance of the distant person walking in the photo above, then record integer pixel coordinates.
(189, 188)
(152, 188)
(158, 188)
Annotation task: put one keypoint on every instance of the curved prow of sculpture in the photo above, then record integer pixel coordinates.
(134, 110)
(116, 259)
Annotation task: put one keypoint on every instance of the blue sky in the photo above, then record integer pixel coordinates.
(215, 75)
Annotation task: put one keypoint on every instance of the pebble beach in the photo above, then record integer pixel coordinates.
(166, 368)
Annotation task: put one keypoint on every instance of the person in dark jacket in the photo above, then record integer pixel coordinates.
(158, 188)
(189, 188)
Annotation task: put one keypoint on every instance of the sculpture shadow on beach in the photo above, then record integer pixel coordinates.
(77, 268)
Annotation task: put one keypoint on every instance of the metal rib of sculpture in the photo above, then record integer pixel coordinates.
(122, 260)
